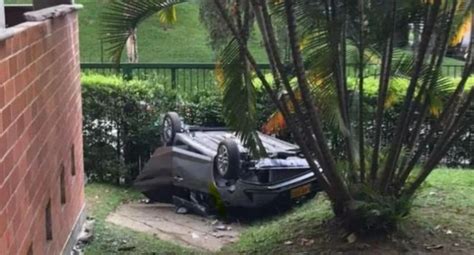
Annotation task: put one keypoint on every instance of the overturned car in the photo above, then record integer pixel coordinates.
(209, 166)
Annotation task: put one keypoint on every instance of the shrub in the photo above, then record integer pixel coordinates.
(118, 125)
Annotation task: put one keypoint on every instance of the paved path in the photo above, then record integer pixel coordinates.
(187, 230)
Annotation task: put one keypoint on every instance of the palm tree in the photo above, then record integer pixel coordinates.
(372, 183)
(327, 27)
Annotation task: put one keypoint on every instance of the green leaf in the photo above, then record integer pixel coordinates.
(240, 98)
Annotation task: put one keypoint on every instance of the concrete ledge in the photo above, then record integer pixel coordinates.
(52, 12)
(12, 31)
(6, 33)
(72, 239)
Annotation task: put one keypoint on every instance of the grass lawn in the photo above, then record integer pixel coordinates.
(185, 41)
(440, 215)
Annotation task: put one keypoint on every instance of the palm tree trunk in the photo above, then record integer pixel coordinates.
(403, 173)
(361, 91)
(132, 46)
(279, 77)
(337, 46)
(382, 94)
(401, 130)
(280, 69)
(279, 72)
(331, 171)
(452, 103)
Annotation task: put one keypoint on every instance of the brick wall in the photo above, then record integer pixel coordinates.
(40, 134)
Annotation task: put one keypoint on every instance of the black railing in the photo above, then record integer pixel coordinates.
(189, 77)
(200, 76)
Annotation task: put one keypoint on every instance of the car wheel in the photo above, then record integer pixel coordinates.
(171, 126)
(228, 159)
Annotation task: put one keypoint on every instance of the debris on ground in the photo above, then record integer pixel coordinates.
(222, 227)
(434, 247)
(145, 201)
(77, 251)
(191, 206)
(127, 248)
(87, 232)
(181, 210)
(351, 238)
(306, 242)
(85, 237)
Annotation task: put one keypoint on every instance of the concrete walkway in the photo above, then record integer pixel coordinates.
(187, 230)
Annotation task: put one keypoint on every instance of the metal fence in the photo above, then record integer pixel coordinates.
(185, 76)
(200, 76)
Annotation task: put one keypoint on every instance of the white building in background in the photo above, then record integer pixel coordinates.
(2, 15)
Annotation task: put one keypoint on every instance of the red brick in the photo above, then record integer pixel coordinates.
(4, 197)
(2, 96)
(9, 90)
(4, 50)
(16, 44)
(21, 60)
(6, 117)
(3, 150)
(12, 62)
(3, 223)
(2, 176)
(3, 244)
(4, 71)
(40, 116)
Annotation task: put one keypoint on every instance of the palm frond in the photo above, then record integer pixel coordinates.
(121, 17)
(240, 98)
(168, 15)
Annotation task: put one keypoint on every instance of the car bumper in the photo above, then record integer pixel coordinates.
(251, 195)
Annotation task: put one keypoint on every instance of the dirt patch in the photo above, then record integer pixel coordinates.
(187, 230)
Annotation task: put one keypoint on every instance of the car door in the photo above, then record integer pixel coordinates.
(192, 170)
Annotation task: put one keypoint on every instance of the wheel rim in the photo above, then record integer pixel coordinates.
(167, 130)
(222, 160)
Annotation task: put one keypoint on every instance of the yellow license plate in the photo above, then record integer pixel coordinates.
(300, 191)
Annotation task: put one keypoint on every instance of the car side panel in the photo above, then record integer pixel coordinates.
(192, 170)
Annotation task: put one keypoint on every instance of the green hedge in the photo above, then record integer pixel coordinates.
(122, 122)
(122, 119)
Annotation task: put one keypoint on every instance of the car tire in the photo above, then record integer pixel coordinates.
(228, 151)
(171, 126)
